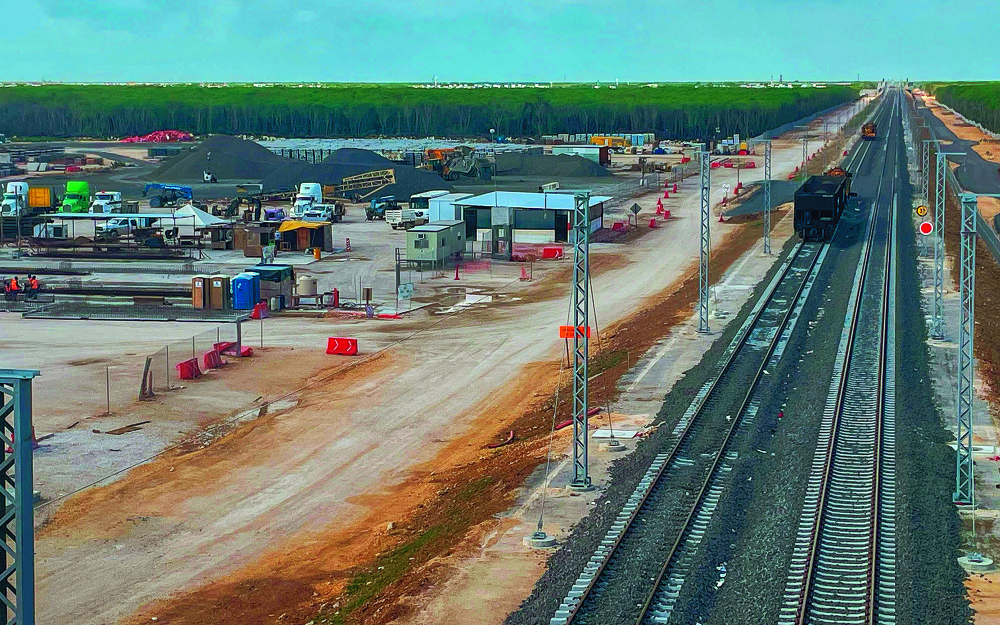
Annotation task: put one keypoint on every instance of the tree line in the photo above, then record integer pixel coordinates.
(978, 101)
(671, 111)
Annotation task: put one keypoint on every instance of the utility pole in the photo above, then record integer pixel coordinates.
(581, 339)
(964, 485)
(19, 496)
(706, 241)
(937, 330)
(767, 192)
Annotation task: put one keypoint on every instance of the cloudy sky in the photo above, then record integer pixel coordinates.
(501, 40)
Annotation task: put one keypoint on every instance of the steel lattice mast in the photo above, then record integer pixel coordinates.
(706, 242)
(964, 486)
(581, 337)
(18, 521)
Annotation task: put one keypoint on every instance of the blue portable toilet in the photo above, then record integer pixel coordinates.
(246, 290)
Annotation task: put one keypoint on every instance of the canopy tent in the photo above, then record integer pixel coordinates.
(291, 224)
(200, 217)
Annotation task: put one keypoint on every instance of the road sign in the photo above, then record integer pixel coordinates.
(405, 290)
(921, 210)
(926, 228)
(635, 209)
(727, 188)
(566, 332)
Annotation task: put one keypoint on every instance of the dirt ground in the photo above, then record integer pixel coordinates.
(987, 146)
(290, 511)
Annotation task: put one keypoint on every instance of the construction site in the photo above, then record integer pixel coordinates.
(548, 368)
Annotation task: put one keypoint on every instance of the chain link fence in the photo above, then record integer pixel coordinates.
(160, 372)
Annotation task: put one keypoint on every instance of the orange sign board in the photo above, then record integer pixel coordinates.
(566, 332)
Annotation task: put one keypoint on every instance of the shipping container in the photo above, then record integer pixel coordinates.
(42, 198)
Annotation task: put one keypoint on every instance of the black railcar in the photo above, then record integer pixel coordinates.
(819, 204)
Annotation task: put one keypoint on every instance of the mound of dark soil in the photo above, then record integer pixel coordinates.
(357, 156)
(231, 159)
(557, 165)
(408, 179)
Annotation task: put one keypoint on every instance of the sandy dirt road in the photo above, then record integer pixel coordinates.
(275, 483)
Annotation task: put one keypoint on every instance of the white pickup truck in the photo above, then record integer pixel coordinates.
(324, 212)
(406, 217)
(121, 226)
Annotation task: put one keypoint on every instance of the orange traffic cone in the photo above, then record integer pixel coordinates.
(675, 187)
(348, 245)
(721, 220)
(456, 272)
(659, 209)
(666, 214)
(524, 274)
(652, 222)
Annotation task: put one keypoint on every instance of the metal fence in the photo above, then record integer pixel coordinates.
(160, 370)
(81, 309)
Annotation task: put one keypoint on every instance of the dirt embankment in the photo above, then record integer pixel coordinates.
(360, 573)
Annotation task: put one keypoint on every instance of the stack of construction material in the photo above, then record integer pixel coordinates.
(160, 136)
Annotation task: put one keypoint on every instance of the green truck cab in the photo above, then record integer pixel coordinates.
(77, 198)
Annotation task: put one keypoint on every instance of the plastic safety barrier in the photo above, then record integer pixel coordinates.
(341, 346)
(259, 311)
(212, 359)
(188, 369)
(552, 252)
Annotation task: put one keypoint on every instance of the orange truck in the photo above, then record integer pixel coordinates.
(868, 131)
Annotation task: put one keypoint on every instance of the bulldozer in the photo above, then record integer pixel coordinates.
(453, 163)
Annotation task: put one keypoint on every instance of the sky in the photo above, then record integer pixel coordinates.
(500, 40)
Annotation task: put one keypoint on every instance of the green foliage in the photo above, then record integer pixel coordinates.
(673, 110)
(979, 101)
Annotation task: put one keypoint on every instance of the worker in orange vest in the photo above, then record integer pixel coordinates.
(32, 286)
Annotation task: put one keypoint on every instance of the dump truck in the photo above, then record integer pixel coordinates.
(868, 131)
(77, 198)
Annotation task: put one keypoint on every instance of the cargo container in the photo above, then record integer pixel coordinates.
(42, 199)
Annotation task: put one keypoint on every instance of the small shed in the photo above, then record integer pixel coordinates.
(294, 235)
(435, 242)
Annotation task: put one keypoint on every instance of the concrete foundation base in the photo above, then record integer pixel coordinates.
(539, 540)
(579, 488)
(612, 447)
(976, 563)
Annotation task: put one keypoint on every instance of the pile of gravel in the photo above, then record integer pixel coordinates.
(358, 156)
(349, 162)
(556, 165)
(232, 159)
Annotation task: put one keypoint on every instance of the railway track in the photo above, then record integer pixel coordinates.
(681, 489)
(684, 483)
(843, 562)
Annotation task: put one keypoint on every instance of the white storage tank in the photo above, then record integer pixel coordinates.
(306, 285)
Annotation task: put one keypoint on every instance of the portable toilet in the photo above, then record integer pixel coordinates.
(246, 290)
(219, 291)
(199, 292)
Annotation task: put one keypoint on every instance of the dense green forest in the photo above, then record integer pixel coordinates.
(979, 101)
(675, 110)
